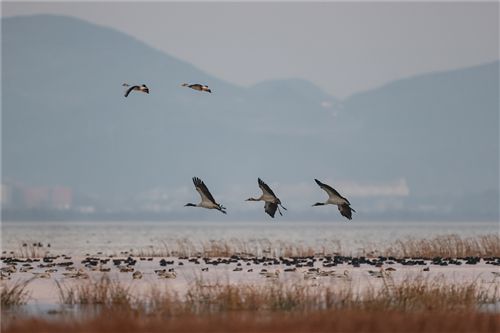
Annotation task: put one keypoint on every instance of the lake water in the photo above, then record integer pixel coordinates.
(77, 238)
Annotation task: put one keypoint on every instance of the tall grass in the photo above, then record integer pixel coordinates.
(411, 294)
(14, 293)
(102, 292)
(439, 246)
(412, 305)
(447, 246)
(31, 250)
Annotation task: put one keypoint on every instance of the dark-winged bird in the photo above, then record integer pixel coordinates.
(271, 200)
(142, 88)
(334, 198)
(207, 200)
(197, 86)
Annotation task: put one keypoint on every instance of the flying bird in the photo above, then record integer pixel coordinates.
(197, 86)
(271, 200)
(334, 198)
(142, 88)
(207, 200)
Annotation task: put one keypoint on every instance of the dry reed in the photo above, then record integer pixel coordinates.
(14, 293)
(102, 292)
(452, 245)
(412, 305)
(411, 294)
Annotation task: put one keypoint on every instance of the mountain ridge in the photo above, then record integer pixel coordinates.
(65, 121)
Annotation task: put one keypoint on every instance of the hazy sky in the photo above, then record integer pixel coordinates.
(342, 47)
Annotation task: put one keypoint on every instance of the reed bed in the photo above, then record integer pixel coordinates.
(453, 246)
(14, 293)
(415, 304)
(410, 295)
(225, 308)
(30, 249)
(102, 292)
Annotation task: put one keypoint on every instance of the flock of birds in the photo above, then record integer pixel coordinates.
(311, 267)
(271, 201)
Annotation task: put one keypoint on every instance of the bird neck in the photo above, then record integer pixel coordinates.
(319, 204)
(190, 205)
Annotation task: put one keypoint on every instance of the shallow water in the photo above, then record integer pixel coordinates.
(76, 238)
(79, 238)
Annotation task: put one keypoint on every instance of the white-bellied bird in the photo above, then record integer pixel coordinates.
(197, 86)
(271, 200)
(334, 198)
(142, 88)
(207, 200)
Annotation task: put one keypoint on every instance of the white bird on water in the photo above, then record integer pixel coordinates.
(270, 199)
(334, 198)
(272, 275)
(207, 200)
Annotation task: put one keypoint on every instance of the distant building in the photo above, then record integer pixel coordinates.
(61, 198)
(36, 197)
(19, 197)
(6, 196)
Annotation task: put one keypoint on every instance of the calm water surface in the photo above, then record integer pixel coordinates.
(113, 237)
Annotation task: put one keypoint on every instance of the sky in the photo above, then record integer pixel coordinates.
(344, 48)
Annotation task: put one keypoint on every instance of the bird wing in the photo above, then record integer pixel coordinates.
(265, 188)
(130, 89)
(203, 190)
(195, 86)
(346, 211)
(270, 208)
(330, 190)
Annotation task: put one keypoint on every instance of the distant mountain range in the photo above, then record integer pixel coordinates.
(66, 122)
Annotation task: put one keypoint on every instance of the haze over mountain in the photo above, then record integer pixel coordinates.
(421, 146)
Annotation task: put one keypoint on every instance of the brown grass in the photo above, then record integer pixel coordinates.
(103, 292)
(413, 305)
(411, 294)
(14, 293)
(30, 251)
(440, 246)
(452, 246)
